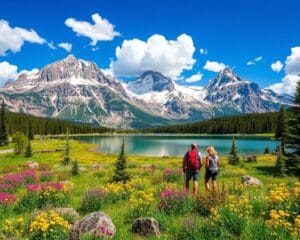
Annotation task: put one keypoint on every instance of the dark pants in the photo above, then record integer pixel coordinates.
(211, 175)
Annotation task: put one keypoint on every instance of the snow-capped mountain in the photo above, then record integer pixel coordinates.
(78, 90)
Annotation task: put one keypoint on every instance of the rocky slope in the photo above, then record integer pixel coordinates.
(78, 90)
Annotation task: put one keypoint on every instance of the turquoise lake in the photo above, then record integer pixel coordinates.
(176, 145)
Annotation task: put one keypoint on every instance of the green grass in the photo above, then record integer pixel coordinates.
(86, 156)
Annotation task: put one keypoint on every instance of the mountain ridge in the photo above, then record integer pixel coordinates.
(75, 89)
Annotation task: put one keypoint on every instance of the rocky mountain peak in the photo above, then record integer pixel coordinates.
(151, 81)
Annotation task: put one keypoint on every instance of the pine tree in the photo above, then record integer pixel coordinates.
(293, 137)
(280, 164)
(3, 130)
(66, 160)
(28, 150)
(75, 168)
(282, 128)
(30, 132)
(267, 150)
(234, 158)
(120, 174)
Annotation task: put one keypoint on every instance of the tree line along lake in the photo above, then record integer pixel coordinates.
(177, 144)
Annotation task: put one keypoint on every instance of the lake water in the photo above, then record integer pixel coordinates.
(176, 145)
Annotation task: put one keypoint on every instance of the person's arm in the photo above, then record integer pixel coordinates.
(184, 162)
(207, 163)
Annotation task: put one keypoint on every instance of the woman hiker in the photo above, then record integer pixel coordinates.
(212, 167)
(191, 165)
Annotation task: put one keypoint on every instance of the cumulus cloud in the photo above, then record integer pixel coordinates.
(292, 70)
(7, 72)
(14, 38)
(170, 57)
(292, 63)
(101, 30)
(277, 66)
(214, 66)
(66, 46)
(254, 61)
(194, 78)
(288, 85)
(203, 51)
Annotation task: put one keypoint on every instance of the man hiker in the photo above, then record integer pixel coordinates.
(191, 165)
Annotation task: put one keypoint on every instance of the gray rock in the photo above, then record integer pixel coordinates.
(68, 213)
(146, 227)
(249, 158)
(96, 223)
(250, 181)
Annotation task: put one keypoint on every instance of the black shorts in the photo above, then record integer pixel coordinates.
(211, 174)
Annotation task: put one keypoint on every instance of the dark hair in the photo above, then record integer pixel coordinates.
(193, 146)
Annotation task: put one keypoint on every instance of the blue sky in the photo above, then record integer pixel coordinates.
(231, 33)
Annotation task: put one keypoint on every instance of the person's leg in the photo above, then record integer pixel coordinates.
(196, 177)
(187, 180)
(207, 181)
(195, 188)
(214, 181)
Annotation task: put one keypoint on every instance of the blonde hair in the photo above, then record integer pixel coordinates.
(211, 150)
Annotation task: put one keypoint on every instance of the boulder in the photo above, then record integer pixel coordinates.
(97, 223)
(146, 227)
(31, 164)
(249, 158)
(250, 181)
(68, 213)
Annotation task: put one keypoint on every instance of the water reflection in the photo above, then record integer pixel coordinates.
(176, 145)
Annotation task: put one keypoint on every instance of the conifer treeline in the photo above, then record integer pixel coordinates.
(44, 126)
(244, 124)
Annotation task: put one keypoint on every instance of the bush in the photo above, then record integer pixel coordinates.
(139, 205)
(190, 229)
(172, 175)
(49, 226)
(175, 202)
(204, 202)
(21, 142)
(93, 200)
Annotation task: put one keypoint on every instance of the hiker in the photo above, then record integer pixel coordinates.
(191, 164)
(212, 167)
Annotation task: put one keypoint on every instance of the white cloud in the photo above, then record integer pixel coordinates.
(287, 86)
(292, 63)
(66, 46)
(277, 66)
(51, 45)
(214, 66)
(203, 51)
(194, 78)
(170, 57)
(7, 72)
(101, 30)
(254, 61)
(14, 38)
(292, 70)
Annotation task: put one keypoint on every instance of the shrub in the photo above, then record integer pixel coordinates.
(19, 179)
(190, 230)
(118, 191)
(205, 202)
(46, 176)
(175, 202)
(75, 168)
(172, 175)
(13, 229)
(139, 205)
(49, 226)
(93, 200)
(20, 142)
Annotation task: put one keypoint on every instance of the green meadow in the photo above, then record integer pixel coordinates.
(207, 216)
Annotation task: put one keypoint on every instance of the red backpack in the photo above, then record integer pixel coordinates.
(192, 160)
